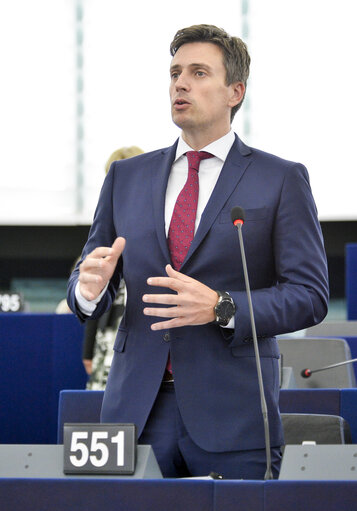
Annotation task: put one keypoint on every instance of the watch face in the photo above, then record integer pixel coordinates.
(226, 310)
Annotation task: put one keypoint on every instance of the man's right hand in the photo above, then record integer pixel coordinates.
(97, 269)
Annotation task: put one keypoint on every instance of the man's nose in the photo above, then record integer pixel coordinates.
(182, 82)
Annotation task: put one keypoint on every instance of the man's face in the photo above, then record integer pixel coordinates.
(200, 98)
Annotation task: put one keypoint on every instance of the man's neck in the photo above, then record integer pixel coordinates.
(198, 140)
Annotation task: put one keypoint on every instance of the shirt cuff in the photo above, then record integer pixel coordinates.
(230, 324)
(87, 307)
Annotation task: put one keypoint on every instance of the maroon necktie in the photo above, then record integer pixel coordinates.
(182, 226)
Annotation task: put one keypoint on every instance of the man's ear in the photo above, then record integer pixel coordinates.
(237, 93)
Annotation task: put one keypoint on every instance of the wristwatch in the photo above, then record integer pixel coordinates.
(224, 309)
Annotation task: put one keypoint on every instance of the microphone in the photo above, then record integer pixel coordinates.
(238, 216)
(306, 373)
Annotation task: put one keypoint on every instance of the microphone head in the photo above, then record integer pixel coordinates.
(237, 215)
(306, 373)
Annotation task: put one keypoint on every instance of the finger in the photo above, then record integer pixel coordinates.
(90, 278)
(170, 283)
(177, 275)
(163, 299)
(168, 312)
(165, 325)
(115, 250)
(91, 263)
(118, 247)
(100, 252)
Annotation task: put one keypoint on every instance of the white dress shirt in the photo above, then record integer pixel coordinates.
(208, 175)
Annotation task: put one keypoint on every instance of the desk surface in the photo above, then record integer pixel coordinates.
(176, 495)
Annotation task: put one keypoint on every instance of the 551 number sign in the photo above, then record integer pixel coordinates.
(99, 448)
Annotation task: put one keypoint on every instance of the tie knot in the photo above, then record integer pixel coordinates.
(195, 157)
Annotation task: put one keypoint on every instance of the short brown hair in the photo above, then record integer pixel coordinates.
(236, 58)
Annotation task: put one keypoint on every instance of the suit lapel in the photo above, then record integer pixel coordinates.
(160, 176)
(231, 173)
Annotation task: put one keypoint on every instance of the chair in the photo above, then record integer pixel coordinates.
(78, 406)
(287, 378)
(84, 406)
(315, 353)
(319, 428)
(333, 328)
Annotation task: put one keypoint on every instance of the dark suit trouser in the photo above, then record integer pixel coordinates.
(179, 456)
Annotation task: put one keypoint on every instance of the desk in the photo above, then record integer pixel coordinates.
(176, 495)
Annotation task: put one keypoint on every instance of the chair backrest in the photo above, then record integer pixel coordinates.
(315, 353)
(78, 406)
(321, 401)
(322, 429)
(287, 378)
(333, 328)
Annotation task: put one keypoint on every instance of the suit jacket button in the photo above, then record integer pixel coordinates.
(167, 337)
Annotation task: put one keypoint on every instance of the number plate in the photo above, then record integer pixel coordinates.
(99, 448)
(11, 302)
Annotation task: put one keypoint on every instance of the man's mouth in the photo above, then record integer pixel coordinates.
(181, 102)
(181, 105)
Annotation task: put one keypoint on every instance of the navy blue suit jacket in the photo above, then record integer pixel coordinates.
(214, 368)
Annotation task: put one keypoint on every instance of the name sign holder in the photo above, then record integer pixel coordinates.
(99, 448)
(319, 462)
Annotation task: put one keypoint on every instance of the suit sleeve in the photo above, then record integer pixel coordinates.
(101, 234)
(299, 297)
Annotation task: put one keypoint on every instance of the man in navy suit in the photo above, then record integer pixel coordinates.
(184, 369)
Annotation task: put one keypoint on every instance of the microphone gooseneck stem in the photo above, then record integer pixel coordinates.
(268, 473)
(311, 371)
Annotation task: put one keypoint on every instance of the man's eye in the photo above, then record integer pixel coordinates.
(174, 75)
(200, 73)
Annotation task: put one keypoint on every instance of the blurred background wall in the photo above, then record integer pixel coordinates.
(81, 78)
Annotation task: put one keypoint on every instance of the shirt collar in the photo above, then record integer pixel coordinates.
(219, 148)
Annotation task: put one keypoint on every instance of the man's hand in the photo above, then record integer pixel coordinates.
(193, 303)
(97, 269)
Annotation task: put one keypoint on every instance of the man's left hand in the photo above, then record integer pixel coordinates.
(193, 303)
